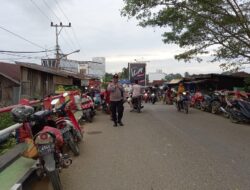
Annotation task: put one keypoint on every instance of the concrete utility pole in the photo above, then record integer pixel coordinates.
(57, 44)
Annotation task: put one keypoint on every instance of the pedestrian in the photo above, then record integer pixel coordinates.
(136, 93)
(116, 100)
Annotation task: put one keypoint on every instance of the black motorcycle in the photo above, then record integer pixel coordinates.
(239, 111)
(153, 98)
(137, 103)
(212, 103)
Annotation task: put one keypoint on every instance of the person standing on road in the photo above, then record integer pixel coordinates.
(136, 92)
(116, 100)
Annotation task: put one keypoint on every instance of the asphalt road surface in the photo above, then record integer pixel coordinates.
(161, 149)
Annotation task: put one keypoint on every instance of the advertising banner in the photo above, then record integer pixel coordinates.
(137, 71)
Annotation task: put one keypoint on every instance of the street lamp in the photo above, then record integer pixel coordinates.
(58, 57)
(65, 55)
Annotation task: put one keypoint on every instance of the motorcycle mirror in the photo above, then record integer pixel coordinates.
(55, 101)
(65, 94)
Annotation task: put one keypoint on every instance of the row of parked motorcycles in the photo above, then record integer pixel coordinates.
(234, 106)
(53, 131)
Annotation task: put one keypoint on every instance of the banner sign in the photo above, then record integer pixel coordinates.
(137, 71)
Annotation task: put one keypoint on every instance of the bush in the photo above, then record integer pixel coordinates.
(5, 120)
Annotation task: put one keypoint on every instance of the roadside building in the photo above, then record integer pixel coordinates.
(156, 76)
(9, 84)
(94, 68)
(38, 81)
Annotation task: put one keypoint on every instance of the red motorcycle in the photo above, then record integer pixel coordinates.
(71, 132)
(88, 109)
(196, 100)
(47, 139)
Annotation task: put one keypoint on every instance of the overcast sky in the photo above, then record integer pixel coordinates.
(98, 31)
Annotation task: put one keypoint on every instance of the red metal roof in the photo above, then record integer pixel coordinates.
(10, 70)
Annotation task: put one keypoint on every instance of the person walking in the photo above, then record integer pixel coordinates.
(136, 93)
(116, 100)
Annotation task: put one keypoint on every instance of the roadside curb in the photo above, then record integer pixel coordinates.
(11, 156)
(19, 185)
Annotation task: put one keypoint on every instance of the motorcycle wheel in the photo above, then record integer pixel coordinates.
(185, 107)
(81, 121)
(79, 136)
(153, 101)
(178, 106)
(73, 146)
(233, 119)
(197, 105)
(55, 180)
(89, 118)
(226, 115)
(215, 107)
(203, 108)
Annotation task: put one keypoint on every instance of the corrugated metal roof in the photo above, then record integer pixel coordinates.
(50, 70)
(12, 71)
(175, 81)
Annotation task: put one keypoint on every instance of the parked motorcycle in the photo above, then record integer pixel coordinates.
(196, 100)
(88, 109)
(71, 134)
(211, 103)
(238, 111)
(48, 140)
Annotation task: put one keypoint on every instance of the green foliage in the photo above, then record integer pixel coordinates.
(171, 76)
(5, 120)
(11, 142)
(124, 73)
(106, 79)
(219, 28)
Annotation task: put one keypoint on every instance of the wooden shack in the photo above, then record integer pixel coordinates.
(38, 81)
(9, 84)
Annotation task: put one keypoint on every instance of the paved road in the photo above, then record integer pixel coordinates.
(161, 149)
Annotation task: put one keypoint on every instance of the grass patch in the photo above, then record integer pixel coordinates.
(5, 120)
(11, 142)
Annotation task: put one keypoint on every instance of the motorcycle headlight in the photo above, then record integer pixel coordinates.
(184, 93)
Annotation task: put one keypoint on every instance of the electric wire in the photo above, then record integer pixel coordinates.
(47, 17)
(67, 18)
(8, 51)
(21, 37)
(46, 4)
(22, 56)
(34, 3)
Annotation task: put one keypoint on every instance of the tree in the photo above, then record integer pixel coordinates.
(171, 76)
(218, 28)
(124, 73)
(106, 79)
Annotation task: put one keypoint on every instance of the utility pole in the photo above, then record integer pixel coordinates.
(57, 44)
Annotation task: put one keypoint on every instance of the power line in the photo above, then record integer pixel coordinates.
(74, 34)
(46, 4)
(19, 36)
(46, 16)
(40, 9)
(22, 56)
(8, 51)
(58, 20)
